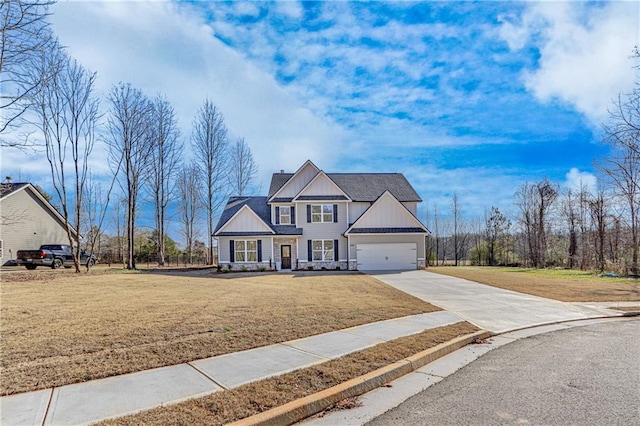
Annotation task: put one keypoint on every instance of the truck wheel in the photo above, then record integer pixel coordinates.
(57, 263)
(31, 267)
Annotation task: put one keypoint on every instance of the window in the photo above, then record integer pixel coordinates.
(285, 215)
(321, 213)
(322, 250)
(246, 251)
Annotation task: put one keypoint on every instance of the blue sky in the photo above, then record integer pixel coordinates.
(476, 98)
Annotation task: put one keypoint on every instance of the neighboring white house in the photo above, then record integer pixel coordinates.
(27, 221)
(355, 221)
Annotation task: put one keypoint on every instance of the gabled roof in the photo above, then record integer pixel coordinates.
(365, 187)
(298, 179)
(9, 189)
(307, 193)
(369, 222)
(259, 206)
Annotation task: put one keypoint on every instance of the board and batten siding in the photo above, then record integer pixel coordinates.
(412, 207)
(387, 215)
(322, 231)
(387, 238)
(245, 221)
(297, 182)
(224, 247)
(27, 224)
(356, 209)
(322, 185)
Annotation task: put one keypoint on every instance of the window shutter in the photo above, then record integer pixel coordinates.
(309, 251)
(308, 213)
(335, 251)
(293, 215)
(232, 251)
(259, 250)
(277, 215)
(335, 213)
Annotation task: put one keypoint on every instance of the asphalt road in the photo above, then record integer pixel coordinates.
(581, 376)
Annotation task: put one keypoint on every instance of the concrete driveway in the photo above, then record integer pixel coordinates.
(490, 308)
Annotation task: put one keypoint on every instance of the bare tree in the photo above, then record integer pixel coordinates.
(188, 184)
(243, 168)
(459, 229)
(165, 162)
(129, 146)
(496, 227)
(598, 212)
(210, 148)
(25, 35)
(623, 167)
(67, 115)
(535, 202)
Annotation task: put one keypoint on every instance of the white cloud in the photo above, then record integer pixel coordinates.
(584, 51)
(576, 180)
(167, 48)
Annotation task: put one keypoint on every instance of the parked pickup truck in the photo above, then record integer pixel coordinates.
(53, 256)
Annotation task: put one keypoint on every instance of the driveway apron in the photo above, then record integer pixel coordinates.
(490, 308)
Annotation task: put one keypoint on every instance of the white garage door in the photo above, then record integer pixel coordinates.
(386, 257)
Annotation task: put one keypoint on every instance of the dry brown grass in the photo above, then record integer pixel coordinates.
(70, 328)
(567, 286)
(235, 404)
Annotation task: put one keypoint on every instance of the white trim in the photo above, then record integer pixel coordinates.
(313, 180)
(426, 231)
(237, 213)
(292, 177)
(388, 233)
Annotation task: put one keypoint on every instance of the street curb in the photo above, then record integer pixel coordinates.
(300, 409)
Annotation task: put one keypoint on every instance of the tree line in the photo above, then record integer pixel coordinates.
(49, 99)
(584, 228)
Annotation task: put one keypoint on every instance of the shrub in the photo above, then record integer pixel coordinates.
(244, 269)
(338, 268)
(262, 269)
(225, 271)
(310, 267)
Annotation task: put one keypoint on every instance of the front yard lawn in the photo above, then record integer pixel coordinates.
(558, 284)
(58, 329)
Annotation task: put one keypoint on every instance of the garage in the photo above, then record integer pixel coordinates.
(387, 256)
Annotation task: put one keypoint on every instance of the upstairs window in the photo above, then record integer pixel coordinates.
(321, 213)
(285, 215)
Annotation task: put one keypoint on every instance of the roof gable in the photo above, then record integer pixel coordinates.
(9, 189)
(321, 185)
(296, 182)
(386, 212)
(245, 220)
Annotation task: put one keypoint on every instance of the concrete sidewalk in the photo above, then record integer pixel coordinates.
(97, 400)
(490, 308)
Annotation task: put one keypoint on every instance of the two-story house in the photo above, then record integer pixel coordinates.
(355, 221)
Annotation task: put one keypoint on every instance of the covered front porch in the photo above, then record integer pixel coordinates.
(285, 253)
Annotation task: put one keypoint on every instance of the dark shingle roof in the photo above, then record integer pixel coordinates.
(361, 186)
(322, 198)
(8, 188)
(386, 230)
(370, 186)
(261, 208)
(277, 180)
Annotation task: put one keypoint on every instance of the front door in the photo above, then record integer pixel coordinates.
(285, 257)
